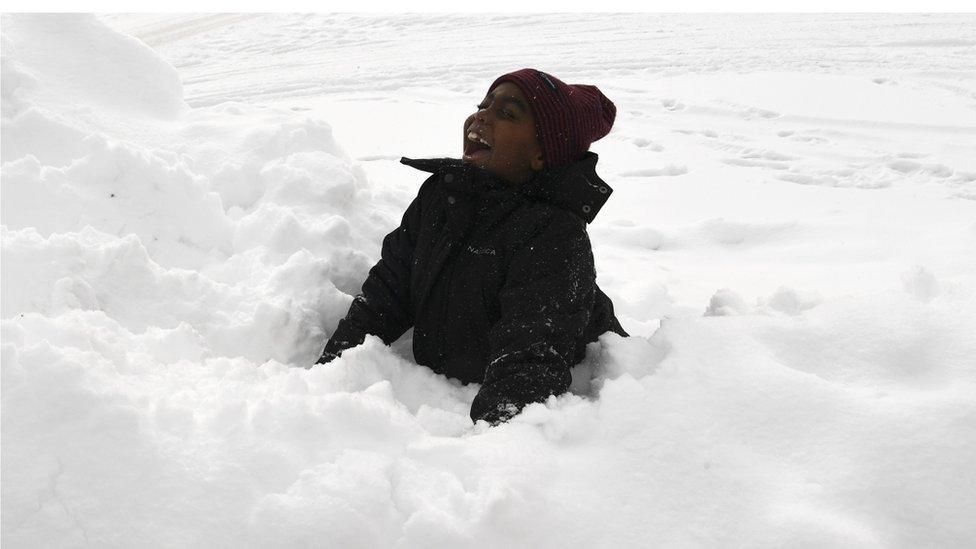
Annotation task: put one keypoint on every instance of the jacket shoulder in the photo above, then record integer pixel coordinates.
(576, 188)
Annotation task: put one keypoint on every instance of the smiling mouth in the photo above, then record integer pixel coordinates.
(476, 148)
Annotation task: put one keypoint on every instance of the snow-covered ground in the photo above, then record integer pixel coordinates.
(189, 203)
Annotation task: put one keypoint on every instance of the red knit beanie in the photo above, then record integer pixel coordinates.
(568, 117)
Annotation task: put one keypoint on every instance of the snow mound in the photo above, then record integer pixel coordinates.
(88, 62)
(795, 429)
(235, 220)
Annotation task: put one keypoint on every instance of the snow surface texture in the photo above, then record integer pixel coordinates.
(792, 243)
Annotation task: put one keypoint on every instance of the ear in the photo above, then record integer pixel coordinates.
(538, 163)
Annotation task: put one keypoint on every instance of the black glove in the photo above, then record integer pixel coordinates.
(327, 357)
(494, 413)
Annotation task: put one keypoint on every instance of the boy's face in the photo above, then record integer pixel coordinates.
(501, 136)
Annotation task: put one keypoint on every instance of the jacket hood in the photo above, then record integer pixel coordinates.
(576, 187)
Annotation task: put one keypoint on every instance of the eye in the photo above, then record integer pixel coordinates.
(504, 112)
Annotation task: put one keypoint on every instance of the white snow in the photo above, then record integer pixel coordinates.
(190, 202)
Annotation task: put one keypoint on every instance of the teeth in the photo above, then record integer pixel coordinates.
(473, 136)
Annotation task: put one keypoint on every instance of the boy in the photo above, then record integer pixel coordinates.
(492, 265)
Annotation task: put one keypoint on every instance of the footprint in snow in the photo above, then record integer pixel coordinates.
(836, 178)
(908, 167)
(750, 163)
(964, 177)
(761, 158)
(672, 104)
(754, 112)
(647, 144)
(669, 170)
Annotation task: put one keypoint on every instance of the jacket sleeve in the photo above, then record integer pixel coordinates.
(545, 308)
(384, 307)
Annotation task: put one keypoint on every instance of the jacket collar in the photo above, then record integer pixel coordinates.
(576, 187)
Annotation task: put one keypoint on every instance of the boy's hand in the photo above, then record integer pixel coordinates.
(326, 357)
(501, 412)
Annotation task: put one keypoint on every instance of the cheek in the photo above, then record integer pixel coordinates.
(516, 153)
(530, 146)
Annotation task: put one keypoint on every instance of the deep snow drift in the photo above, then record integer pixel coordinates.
(792, 244)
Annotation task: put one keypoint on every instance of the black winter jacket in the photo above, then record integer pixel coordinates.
(497, 281)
